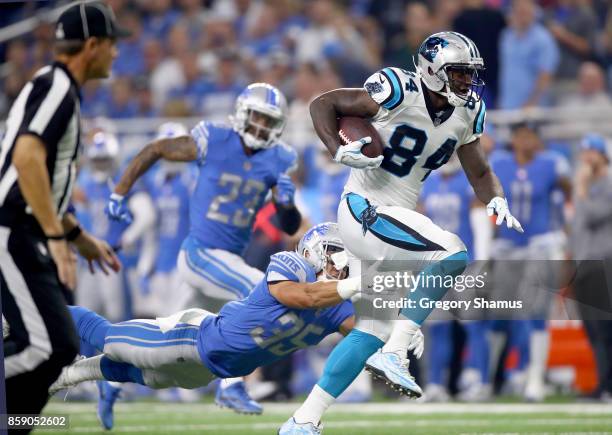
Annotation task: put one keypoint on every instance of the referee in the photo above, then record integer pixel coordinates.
(37, 229)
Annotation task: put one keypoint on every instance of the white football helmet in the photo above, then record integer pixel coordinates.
(443, 52)
(322, 244)
(103, 155)
(266, 100)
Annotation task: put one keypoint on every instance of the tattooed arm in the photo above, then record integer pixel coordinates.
(178, 149)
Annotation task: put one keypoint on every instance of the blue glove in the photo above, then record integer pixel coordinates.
(117, 209)
(285, 190)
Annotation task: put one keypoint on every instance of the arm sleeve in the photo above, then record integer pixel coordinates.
(476, 127)
(49, 109)
(200, 133)
(385, 87)
(287, 266)
(548, 57)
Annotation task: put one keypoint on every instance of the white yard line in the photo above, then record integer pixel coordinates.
(362, 408)
(455, 423)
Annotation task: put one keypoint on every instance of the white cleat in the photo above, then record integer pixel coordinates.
(394, 370)
(291, 427)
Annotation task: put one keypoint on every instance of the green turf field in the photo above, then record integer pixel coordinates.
(356, 419)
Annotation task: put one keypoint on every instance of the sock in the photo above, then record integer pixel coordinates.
(403, 330)
(519, 340)
(440, 352)
(347, 360)
(539, 343)
(87, 349)
(91, 327)
(497, 342)
(120, 372)
(478, 348)
(452, 265)
(314, 406)
(230, 381)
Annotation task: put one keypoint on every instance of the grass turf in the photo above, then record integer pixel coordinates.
(357, 419)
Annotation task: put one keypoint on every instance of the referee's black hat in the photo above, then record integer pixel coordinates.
(83, 20)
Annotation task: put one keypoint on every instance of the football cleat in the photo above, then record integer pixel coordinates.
(291, 427)
(106, 401)
(391, 368)
(237, 398)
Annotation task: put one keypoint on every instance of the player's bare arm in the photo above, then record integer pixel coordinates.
(177, 149)
(320, 294)
(479, 173)
(326, 108)
(347, 326)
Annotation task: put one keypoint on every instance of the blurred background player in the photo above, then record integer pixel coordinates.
(449, 200)
(112, 295)
(239, 165)
(530, 176)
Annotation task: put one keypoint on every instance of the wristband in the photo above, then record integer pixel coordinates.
(74, 233)
(56, 237)
(347, 288)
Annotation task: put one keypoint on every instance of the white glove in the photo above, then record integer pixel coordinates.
(351, 155)
(349, 287)
(417, 343)
(499, 206)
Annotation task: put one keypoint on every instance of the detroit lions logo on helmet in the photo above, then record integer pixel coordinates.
(429, 49)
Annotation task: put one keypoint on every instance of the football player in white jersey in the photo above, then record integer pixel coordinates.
(422, 119)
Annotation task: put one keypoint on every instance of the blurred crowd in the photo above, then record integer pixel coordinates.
(191, 58)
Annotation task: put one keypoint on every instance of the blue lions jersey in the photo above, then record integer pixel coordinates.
(231, 186)
(171, 195)
(92, 215)
(529, 190)
(259, 330)
(447, 202)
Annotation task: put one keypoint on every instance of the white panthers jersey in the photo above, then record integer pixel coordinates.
(417, 140)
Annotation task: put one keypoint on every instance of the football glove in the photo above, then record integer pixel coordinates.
(351, 155)
(117, 209)
(417, 343)
(499, 206)
(285, 190)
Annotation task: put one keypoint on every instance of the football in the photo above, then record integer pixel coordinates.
(352, 128)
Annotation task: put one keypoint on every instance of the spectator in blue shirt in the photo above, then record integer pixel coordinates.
(122, 103)
(160, 18)
(528, 59)
(129, 62)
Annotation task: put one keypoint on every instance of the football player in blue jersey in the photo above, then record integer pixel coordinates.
(170, 187)
(114, 301)
(530, 175)
(238, 166)
(302, 298)
(449, 200)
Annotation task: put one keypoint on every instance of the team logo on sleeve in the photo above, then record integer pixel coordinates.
(373, 87)
(429, 49)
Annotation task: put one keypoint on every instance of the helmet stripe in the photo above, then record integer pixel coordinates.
(480, 117)
(467, 42)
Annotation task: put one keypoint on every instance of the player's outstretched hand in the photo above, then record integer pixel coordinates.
(117, 209)
(97, 251)
(285, 190)
(499, 206)
(351, 155)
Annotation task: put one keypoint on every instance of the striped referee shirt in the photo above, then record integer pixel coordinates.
(47, 107)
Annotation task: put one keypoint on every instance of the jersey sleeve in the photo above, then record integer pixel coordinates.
(201, 134)
(288, 159)
(49, 109)
(288, 266)
(339, 313)
(385, 87)
(476, 125)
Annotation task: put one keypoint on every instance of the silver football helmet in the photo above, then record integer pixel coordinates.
(103, 155)
(261, 114)
(322, 244)
(444, 54)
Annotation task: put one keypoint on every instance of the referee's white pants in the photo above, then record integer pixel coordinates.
(213, 274)
(398, 234)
